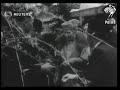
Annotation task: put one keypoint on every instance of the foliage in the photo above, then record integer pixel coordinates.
(31, 45)
(62, 9)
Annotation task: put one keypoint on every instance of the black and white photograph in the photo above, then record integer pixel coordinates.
(58, 44)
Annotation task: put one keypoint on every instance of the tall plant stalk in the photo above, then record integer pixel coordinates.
(16, 52)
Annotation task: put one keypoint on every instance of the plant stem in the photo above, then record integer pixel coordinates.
(20, 68)
(16, 54)
(48, 80)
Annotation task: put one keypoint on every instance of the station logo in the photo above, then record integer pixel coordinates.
(111, 10)
(9, 14)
